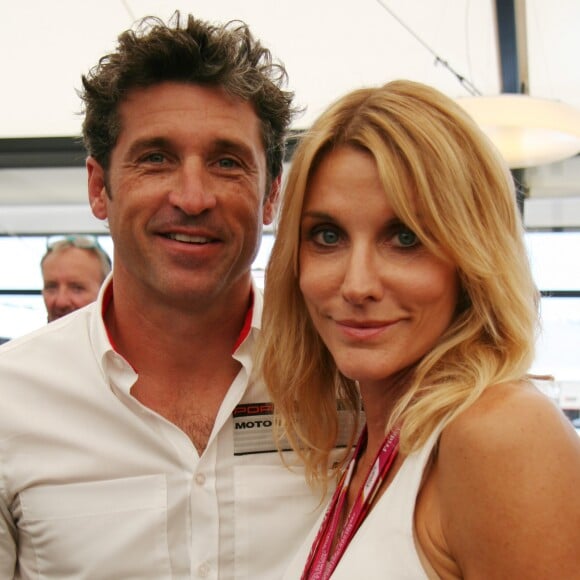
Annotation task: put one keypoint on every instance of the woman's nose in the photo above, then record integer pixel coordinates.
(362, 281)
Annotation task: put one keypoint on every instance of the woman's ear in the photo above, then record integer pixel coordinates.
(98, 197)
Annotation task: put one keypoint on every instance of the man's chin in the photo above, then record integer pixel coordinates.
(57, 315)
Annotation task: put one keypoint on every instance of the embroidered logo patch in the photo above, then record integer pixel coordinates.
(253, 424)
(253, 429)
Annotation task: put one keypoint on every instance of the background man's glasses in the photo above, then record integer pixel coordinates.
(82, 242)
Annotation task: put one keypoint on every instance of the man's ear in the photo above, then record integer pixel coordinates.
(271, 201)
(97, 191)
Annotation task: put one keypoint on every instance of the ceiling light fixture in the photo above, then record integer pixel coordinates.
(527, 131)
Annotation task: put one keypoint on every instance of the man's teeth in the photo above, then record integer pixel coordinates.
(189, 239)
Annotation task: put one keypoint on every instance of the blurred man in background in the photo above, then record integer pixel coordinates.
(73, 269)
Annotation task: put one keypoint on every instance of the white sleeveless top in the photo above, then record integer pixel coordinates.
(383, 547)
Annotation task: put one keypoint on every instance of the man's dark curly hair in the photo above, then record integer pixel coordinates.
(194, 52)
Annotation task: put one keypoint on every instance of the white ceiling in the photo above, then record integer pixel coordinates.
(328, 47)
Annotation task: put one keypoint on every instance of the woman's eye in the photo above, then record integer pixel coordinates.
(406, 238)
(326, 237)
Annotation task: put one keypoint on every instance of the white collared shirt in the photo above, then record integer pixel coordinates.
(95, 485)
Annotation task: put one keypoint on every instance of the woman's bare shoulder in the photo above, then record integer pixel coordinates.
(505, 415)
(511, 433)
(508, 470)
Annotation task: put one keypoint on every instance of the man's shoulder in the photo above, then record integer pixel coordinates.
(42, 369)
(59, 336)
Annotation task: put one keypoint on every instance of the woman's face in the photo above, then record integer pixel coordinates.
(377, 297)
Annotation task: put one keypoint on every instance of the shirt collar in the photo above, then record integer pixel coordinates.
(251, 321)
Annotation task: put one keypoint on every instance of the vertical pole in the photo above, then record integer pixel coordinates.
(513, 53)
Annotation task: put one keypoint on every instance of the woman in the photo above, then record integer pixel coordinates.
(399, 280)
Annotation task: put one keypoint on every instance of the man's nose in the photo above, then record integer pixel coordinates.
(62, 297)
(193, 189)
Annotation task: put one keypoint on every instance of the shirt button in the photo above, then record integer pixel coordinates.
(203, 570)
(200, 480)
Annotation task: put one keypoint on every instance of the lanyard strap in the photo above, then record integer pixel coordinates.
(321, 564)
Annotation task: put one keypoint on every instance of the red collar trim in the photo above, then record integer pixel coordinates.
(247, 323)
(108, 300)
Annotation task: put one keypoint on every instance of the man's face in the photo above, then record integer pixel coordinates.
(187, 185)
(72, 278)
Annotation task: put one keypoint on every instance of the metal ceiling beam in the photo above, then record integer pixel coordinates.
(30, 152)
(513, 45)
(512, 42)
(41, 152)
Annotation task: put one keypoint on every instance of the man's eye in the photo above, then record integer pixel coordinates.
(227, 163)
(154, 158)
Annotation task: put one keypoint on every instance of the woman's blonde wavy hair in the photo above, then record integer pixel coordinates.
(447, 183)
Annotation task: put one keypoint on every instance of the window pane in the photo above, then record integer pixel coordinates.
(20, 314)
(557, 345)
(553, 257)
(20, 262)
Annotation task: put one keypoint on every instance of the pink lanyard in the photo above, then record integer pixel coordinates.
(321, 564)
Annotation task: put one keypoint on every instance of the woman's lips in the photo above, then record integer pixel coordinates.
(364, 328)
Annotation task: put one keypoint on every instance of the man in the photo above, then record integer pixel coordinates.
(134, 440)
(73, 269)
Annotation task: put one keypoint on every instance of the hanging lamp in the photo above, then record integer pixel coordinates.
(528, 131)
